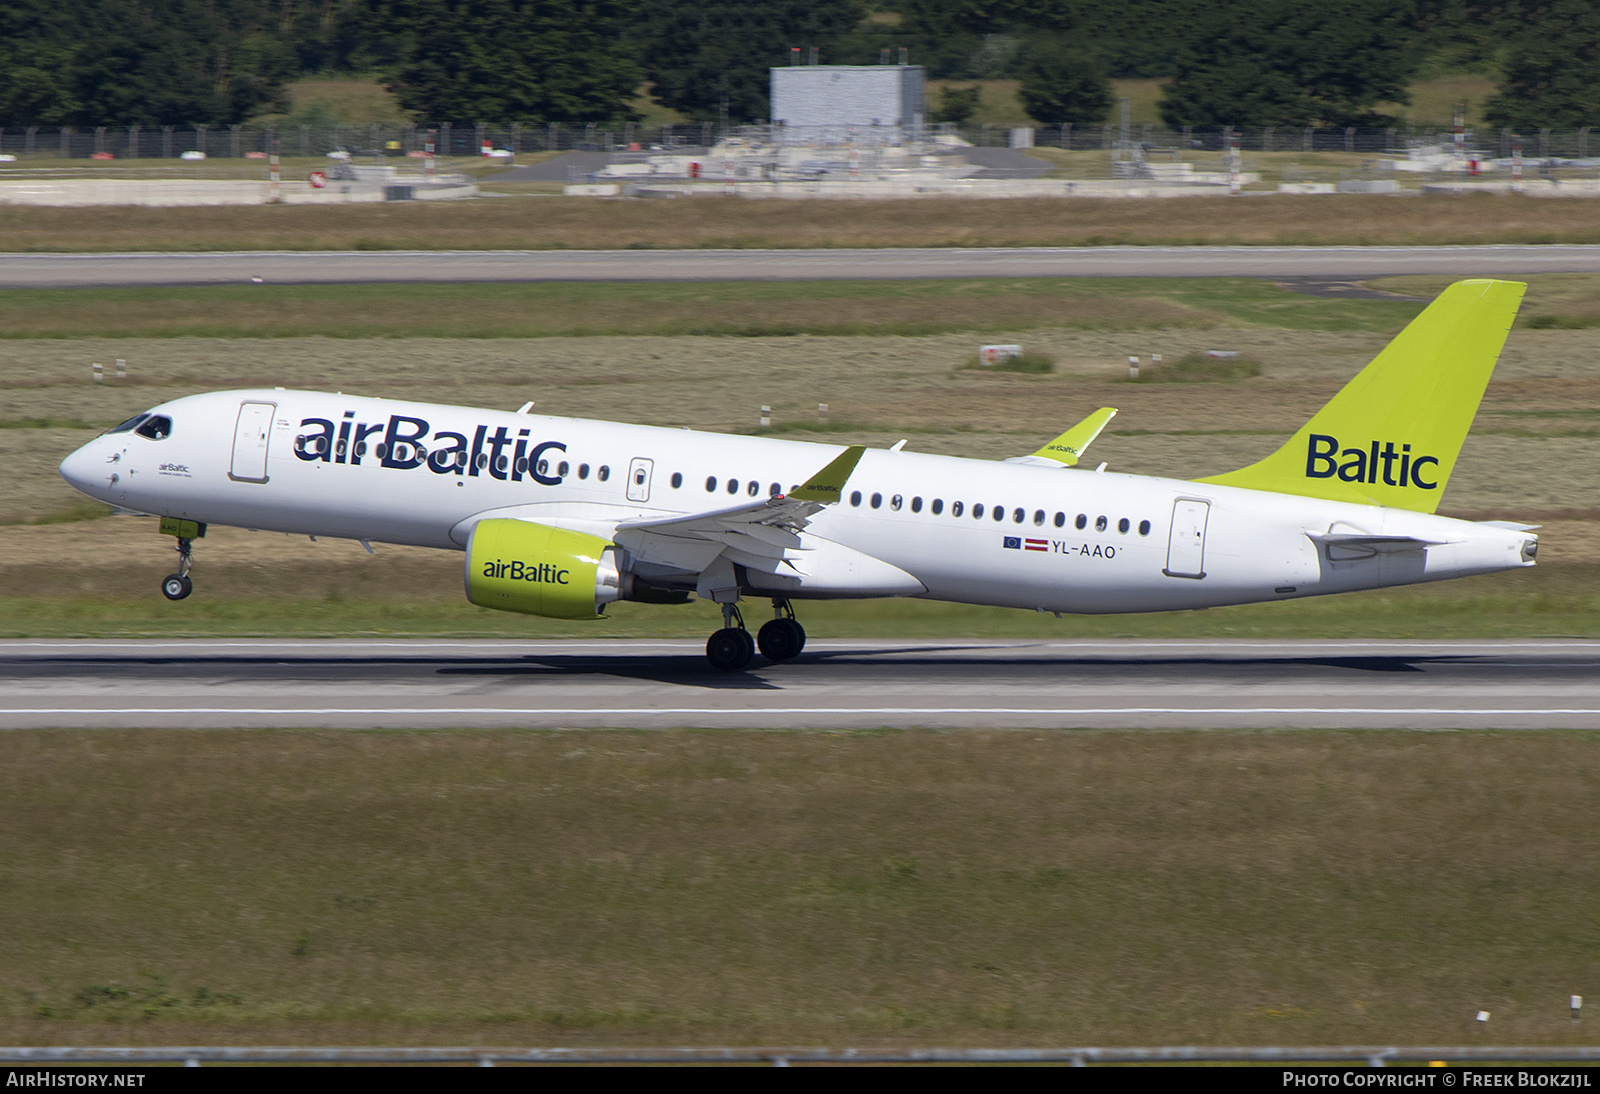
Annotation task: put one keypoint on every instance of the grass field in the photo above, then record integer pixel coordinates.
(813, 888)
(544, 309)
(544, 223)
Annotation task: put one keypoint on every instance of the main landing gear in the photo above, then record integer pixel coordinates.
(732, 649)
(177, 586)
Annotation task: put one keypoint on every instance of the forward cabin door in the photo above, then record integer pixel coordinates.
(639, 479)
(250, 442)
(1186, 549)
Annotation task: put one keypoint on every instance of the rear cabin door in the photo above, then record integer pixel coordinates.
(1186, 549)
(639, 479)
(250, 442)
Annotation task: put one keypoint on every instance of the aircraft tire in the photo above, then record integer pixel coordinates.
(780, 639)
(176, 586)
(730, 649)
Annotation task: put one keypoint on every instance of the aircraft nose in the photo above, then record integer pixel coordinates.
(83, 470)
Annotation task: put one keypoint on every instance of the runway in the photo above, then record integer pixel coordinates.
(838, 683)
(20, 271)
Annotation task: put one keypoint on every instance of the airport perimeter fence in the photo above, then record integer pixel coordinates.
(451, 139)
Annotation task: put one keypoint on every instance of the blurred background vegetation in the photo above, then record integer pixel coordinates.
(1519, 63)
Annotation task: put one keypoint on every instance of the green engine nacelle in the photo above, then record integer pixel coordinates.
(519, 566)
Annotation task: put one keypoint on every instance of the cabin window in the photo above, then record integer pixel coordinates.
(677, 479)
(1038, 517)
(379, 449)
(522, 464)
(583, 472)
(877, 501)
(774, 490)
(1061, 520)
(895, 502)
(999, 513)
(855, 498)
(1099, 524)
(483, 458)
(543, 466)
(733, 486)
(977, 510)
(916, 505)
(361, 450)
(937, 507)
(638, 476)
(604, 473)
(711, 483)
(1018, 515)
(561, 469)
(955, 509)
(752, 488)
(1144, 528)
(1122, 525)
(1081, 523)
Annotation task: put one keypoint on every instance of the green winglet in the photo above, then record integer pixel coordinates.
(1392, 434)
(826, 484)
(1068, 448)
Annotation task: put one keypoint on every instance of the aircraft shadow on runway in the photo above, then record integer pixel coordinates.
(690, 669)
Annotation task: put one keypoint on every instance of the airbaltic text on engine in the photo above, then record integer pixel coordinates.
(516, 570)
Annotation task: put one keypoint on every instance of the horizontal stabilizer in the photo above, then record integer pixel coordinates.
(1354, 546)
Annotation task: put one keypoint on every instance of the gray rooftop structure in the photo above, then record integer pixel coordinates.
(833, 96)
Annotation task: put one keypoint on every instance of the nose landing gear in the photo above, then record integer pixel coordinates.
(732, 649)
(177, 586)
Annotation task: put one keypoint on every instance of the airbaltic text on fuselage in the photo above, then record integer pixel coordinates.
(1324, 460)
(516, 570)
(406, 444)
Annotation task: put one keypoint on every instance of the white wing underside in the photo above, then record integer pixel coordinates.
(769, 541)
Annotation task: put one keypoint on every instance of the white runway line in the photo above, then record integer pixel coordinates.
(750, 712)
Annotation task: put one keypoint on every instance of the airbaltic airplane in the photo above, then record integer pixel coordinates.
(560, 516)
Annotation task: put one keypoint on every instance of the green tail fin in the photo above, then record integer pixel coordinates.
(1391, 435)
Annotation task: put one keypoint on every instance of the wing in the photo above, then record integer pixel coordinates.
(763, 536)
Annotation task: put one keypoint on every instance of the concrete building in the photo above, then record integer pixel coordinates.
(834, 96)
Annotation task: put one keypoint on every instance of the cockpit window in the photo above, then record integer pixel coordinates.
(130, 423)
(157, 427)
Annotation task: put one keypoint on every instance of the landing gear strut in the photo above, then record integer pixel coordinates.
(177, 586)
(731, 649)
(782, 637)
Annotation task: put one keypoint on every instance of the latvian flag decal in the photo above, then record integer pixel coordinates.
(1017, 543)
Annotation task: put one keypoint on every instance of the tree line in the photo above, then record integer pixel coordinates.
(574, 62)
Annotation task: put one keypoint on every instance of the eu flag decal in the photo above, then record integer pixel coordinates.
(1014, 543)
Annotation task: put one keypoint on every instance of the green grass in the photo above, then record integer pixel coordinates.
(1197, 368)
(1028, 362)
(546, 309)
(333, 602)
(968, 887)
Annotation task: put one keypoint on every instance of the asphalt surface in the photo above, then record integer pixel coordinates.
(19, 271)
(834, 684)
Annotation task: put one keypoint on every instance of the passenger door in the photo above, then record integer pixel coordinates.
(1186, 547)
(250, 438)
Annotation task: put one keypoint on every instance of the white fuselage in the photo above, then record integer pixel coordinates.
(424, 474)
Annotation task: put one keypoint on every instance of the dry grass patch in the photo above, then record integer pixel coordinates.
(736, 222)
(966, 887)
